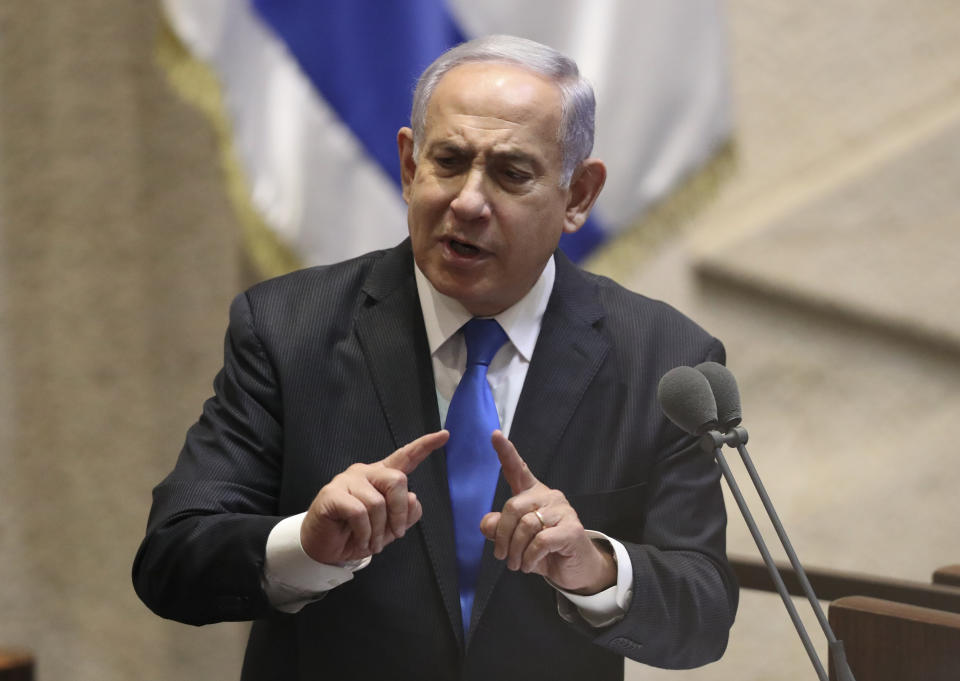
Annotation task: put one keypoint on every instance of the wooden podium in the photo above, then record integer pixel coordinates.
(888, 641)
(892, 630)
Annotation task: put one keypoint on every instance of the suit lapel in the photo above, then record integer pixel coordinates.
(568, 354)
(391, 333)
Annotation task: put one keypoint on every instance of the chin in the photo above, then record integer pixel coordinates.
(465, 295)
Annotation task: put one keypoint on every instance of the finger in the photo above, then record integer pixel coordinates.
(547, 541)
(414, 510)
(413, 513)
(392, 484)
(411, 455)
(488, 525)
(323, 534)
(515, 470)
(515, 508)
(562, 533)
(536, 552)
(527, 528)
(354, 513)
(376, 508)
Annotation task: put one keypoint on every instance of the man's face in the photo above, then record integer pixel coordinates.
(485, 205)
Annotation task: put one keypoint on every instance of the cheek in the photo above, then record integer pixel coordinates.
(419, 209)
(428, 198)
(537, 228)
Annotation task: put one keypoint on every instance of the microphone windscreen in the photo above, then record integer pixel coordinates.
(725, 392)
(687, 400)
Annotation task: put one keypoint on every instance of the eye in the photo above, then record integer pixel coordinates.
(515, 175)
(448, 163)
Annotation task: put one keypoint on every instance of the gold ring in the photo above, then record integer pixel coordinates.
(543, 523)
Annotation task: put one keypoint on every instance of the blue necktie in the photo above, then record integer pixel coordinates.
(472, 463)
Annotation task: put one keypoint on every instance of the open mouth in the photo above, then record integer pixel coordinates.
(463, 249)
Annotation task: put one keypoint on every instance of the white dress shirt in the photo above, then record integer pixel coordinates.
(292, 579)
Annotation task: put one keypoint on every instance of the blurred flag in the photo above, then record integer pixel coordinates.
(315, 90)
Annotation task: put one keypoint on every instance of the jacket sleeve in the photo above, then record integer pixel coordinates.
(202, 557)
(684, 591)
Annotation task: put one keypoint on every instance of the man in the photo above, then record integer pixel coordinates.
(319, 496)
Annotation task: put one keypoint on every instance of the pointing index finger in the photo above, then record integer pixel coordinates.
(411, 455)
(515, 470)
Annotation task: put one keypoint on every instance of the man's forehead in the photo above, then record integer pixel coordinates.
(496, 91)
(496, 105)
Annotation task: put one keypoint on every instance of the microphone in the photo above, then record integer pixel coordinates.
(686, 398)
(725, 392)
(684, 402)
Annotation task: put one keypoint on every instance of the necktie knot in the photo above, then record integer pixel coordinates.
(483, 338)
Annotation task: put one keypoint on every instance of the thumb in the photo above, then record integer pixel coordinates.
(488, 525)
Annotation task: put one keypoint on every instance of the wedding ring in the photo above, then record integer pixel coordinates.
(543, 523)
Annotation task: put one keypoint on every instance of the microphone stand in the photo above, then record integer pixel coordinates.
(837, 653)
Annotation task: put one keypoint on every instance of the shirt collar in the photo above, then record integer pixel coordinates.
(443, 316)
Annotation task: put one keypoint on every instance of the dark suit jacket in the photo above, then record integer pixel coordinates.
(329, 366)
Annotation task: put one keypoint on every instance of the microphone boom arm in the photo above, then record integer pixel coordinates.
(737, 437)
(764, 552)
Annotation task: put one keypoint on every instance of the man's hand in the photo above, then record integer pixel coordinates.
(538, 531)
(367, 506)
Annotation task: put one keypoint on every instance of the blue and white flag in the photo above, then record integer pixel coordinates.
(315, 91)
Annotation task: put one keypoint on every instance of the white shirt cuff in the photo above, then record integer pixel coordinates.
(291, 578)
(610, 605)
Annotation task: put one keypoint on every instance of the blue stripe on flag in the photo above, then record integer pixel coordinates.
(364, 57)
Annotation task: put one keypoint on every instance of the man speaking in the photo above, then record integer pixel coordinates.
(446, 460)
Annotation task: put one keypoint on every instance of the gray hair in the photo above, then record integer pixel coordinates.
(577, 102)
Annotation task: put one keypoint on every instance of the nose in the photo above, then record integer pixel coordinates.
(471, 203)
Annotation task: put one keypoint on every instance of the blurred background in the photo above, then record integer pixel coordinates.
(787, 175)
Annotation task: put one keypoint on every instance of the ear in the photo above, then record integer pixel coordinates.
(408, 164)
(585, 186)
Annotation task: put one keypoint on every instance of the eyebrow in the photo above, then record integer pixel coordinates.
(514, 157)
(509, 155)
(448, 146)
